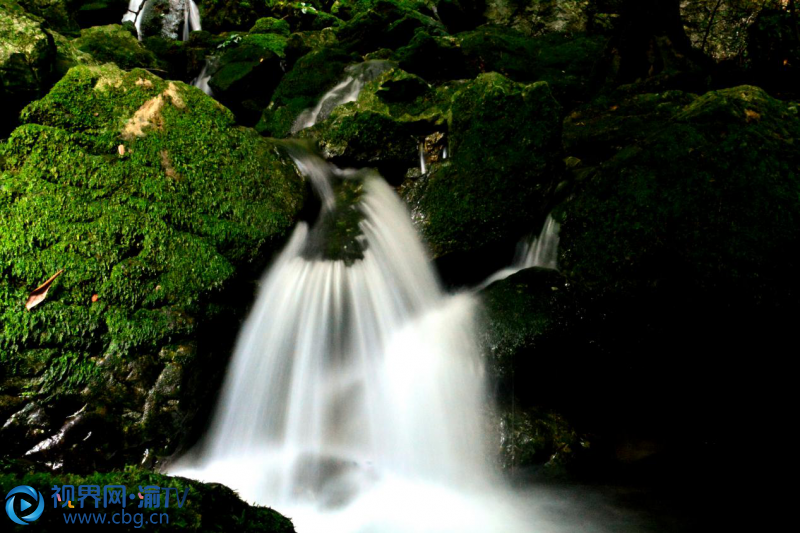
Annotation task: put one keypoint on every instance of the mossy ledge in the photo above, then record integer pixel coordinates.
(152, 201)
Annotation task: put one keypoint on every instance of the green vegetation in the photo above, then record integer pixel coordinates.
(149, 198)
(207, 507)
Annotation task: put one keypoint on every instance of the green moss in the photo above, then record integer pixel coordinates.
(115, 44)
(149, 223)
(271, 25)
(505, 145)
(301, 87)
(385, 24)
(57, 13)
(27, 53)
(597, 131)
(704, 208)
(207, 507)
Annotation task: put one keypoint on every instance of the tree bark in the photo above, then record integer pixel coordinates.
(653, 40)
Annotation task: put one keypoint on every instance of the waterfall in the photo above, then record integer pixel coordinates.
(533, 251)
(346, 91)
(355, 398)
(191, 18)
(201, 81)
(133, 14)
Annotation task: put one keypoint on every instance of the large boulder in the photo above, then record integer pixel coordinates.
(657, 216)
(597, 131)
(27, 53)
(384, 127)
(686, 237)
(149, 201)
(504, 164)
(57, 13)
(247, 73)
(539, 351)
(385, 24)
(115, 44)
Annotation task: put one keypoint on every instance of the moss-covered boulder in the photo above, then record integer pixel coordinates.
(303, 16)
(565, 61)
(27, 53)
(599, 130)
(310, 77)
(115, 44)
(203, 506)
(505, 153)
(436, 58)
(232, 15)
(703, 209)
(157, 210)
(385, 125)
(271, 25)
(247, 73)
(57, 13)
(385, 24)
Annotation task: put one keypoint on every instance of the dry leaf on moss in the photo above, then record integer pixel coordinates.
(40, 293)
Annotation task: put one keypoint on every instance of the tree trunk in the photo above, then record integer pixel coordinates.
(653, 40)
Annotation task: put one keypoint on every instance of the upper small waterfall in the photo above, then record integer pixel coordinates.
(191, 19)
(346, 91)
(533, 251)
(201, 81)
(181, 13)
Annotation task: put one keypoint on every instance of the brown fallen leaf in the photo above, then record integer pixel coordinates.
(40, 293)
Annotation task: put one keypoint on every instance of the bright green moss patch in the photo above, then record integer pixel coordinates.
(149, 198)
(115, 44)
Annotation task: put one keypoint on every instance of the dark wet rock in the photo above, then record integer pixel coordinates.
(597, 131)
(656, 218)
(100, 12)
(247, 72)
(435, 58)
(207, 506)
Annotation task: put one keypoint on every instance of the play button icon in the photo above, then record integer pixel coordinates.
(23, 504)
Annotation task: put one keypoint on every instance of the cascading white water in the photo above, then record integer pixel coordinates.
(346, 91)
(355, 399)
(133, 14)
(191, 18)
(202, 79)
(541, 251)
